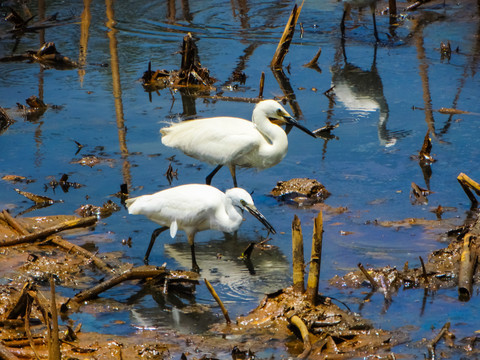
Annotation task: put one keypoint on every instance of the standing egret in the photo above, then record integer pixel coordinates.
(193, 208)
(260, 143)
(348, 4)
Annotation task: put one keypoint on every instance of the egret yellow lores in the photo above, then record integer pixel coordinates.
(230, 141)
(193, 208)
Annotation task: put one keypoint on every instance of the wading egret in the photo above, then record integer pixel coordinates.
(260, 143)
(193, 208)
(348, 4)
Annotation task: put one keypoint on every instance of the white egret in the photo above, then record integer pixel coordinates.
(348, 4)
(193, 208)
(260, 143)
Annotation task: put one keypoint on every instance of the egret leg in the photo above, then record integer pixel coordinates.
(208, 180)
(234, 174)
(346, 9)
(374, 23)
(155, 234)
(195, 266)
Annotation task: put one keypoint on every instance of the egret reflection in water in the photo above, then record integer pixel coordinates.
(361, 91)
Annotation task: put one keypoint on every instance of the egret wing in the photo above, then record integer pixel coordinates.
(213, 140)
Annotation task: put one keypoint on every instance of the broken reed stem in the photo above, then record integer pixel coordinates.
(81, 222)
(286, 39)
(300, 325)
(54, 342)
(14, 224)
(467, 265)
(433, 343)
(315, 260)
(262, 84)
(369, 277)
(297, 254)
(424, 271)
(467, 183)
(219, 302)
(313, 62)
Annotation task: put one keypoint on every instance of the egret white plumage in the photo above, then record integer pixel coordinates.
(230, 141)
(348, 4)
(193, 208)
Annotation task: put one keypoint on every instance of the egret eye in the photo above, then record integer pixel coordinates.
(243, 202)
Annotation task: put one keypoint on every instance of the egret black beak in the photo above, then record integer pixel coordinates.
(258, 215)
(291, 121)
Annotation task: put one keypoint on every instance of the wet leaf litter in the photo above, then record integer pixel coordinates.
(304, 319)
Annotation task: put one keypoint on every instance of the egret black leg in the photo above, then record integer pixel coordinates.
(155, 234)
(195, 266)
(374, 24)
(342, 24)
(208, 180)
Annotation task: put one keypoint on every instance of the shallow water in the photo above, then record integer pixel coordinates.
(368, 166)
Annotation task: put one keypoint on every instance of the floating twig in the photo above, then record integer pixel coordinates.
(298, 259)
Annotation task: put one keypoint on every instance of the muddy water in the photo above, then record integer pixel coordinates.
(367, 167)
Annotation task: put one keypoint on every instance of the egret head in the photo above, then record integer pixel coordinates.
(279, 116)
(242, 199)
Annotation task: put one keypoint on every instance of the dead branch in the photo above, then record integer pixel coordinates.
(70, 224)
(141, 272)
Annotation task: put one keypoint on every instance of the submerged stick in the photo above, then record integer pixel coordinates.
(300, 325)
(315, 260)
(297, 254)
(70, 224)
(286, 39)
(369, 277)
(467, 264)
(219, 302)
